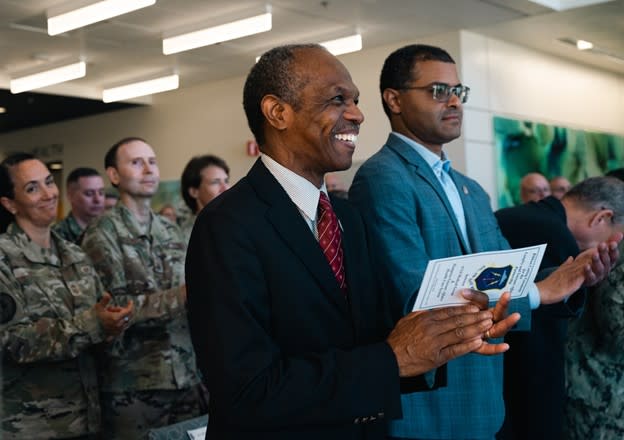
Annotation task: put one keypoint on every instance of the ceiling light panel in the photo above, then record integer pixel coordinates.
(340, 46)
(141, 88)
(216, 34)
(86, 13)
(562, 5)
(584, 45)
(49, 77)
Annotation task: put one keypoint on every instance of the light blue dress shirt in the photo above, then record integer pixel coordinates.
(441, 167)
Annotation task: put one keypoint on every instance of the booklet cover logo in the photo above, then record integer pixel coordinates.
(493, 278)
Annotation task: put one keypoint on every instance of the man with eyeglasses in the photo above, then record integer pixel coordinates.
(417, 208)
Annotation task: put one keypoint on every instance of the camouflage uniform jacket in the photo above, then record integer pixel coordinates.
(595, 358)
(48, 324)
(155, 353)
(187, 227)
(68, 228)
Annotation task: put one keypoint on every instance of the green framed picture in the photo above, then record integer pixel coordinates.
(525, 146)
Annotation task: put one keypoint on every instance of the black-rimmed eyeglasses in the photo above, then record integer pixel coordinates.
(442, 92)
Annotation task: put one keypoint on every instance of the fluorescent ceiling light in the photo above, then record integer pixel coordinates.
(344, 45)
(339, 46)
(562, 5)
(584, 45)
(2, 110)
(217, 34)
(89, 12)
(49, 77)
(141, 88)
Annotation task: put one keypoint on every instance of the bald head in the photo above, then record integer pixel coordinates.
(534, 187)
(559, 186)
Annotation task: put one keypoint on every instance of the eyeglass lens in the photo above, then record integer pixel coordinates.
(442, 92)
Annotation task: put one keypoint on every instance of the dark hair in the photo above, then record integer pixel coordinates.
(597, 193)
(273, 74)
(79, 172)
(111, 193)
(110, 160)
(7, 187)
(618, 173)
(191, 176)
(398, 69)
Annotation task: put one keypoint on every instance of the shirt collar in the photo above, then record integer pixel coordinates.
(34, 253)
(432, 159)
(131, 222)
(301, 191)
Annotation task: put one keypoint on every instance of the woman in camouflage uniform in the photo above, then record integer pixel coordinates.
(53, 310)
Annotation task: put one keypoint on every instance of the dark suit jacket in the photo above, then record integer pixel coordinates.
(534, 366)
(284, 354)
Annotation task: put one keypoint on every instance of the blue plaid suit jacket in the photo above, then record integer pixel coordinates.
(410, 221)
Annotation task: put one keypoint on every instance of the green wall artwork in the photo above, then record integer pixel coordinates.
(525, 146)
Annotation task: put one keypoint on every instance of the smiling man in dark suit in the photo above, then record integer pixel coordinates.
(291, 334)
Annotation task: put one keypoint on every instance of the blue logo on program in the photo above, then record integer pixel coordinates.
(493, 278)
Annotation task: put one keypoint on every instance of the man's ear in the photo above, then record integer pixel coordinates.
(277, 113)
(392, 98)
(601, 217)
(193, 192)
(113, 175)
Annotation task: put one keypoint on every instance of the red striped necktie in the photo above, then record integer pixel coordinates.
(330, 240)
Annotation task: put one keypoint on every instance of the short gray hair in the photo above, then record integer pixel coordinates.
(597, 193)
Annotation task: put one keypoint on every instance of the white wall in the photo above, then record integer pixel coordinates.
(506, 80)
(512, 81)
(196, 120)
(206, 118)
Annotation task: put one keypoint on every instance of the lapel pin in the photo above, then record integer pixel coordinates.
(465, 190)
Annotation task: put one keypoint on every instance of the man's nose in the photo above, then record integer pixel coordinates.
(354, 114)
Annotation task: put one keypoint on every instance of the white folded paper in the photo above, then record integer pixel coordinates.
(493, 273)
(197, 434)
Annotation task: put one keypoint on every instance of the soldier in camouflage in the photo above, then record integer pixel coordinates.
(85, 192)
(595, 364)
(50, 314)
(149, 378)
(595, 361)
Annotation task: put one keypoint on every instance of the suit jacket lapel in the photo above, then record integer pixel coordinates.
(350, 248)
(283, 214)
(472, 217)
(423, 169)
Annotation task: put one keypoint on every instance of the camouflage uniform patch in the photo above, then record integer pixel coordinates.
(49, 379)
(69, 229)
(130, 415)
(187, 227)
(155, 352)
(595, 363)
